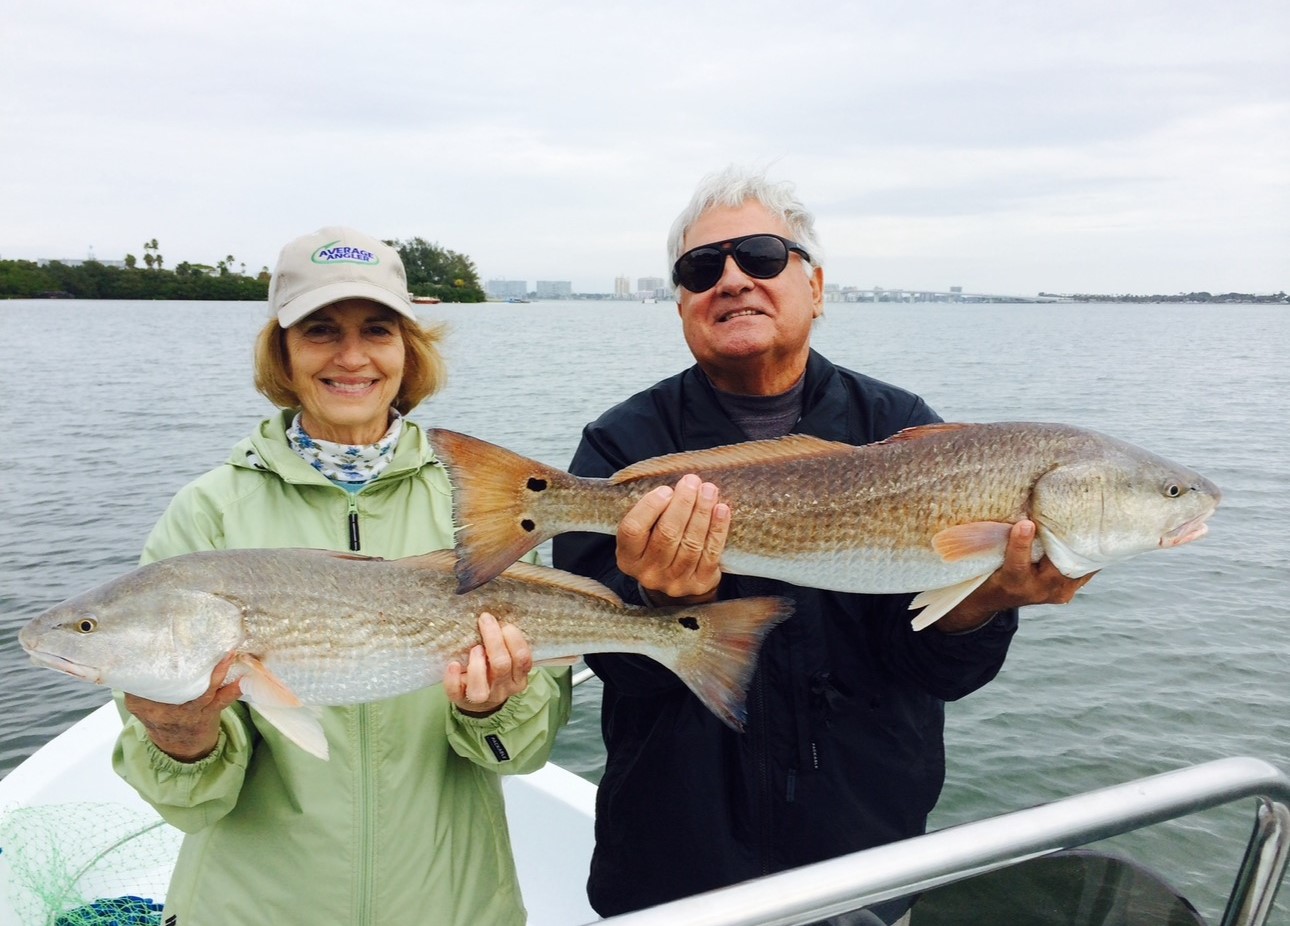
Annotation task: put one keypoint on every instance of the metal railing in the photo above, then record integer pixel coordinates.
(806, 894)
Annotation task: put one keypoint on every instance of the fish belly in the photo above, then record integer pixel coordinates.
(337, 682)
(861, 571)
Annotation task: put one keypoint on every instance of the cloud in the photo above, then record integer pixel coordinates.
(1084, 145)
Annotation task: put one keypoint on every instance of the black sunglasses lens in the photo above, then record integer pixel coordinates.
(759, 256)
(763, 256)
(699, 270)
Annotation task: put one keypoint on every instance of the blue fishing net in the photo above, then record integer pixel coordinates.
(84, 864)
(114, 911)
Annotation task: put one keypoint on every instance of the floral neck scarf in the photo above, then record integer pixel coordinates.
(347, 463)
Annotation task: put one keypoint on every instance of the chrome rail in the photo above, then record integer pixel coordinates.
(806, 894)
(585, 675)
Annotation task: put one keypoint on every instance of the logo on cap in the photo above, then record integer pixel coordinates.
(337, 253)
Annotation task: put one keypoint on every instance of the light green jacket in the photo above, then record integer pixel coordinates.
(405, 824)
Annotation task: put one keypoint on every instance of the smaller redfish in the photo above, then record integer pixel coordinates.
(315, 628)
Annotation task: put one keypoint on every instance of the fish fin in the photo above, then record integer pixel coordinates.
(328, 554)
(496, 497)
(298, 724)
(558, 661)
(971, 539)
(919, 432)
(278, 704)
(792, 447)
(718, 663)
(566, 581)
(444, 561)
(937, 602)
(261, 687)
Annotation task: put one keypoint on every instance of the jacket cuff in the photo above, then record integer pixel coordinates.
(166, 765)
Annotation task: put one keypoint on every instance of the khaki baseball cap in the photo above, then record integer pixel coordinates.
(332, 264)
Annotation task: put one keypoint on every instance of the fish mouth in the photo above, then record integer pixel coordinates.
(1186, 532)
(74, 669)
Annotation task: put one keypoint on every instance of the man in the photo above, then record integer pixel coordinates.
(843, 748)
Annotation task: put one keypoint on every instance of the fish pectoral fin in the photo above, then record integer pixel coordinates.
(298, 724)
(937, 602)
(261, 687)
(972, 539)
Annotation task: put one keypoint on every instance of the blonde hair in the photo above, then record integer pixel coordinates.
(424, 371)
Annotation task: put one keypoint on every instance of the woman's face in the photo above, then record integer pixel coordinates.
(346, 362)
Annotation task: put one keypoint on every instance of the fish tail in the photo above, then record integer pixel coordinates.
(719, 666)
(497, 504)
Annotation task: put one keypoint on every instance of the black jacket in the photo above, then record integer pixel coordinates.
(843, 748)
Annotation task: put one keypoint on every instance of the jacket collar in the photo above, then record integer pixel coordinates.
(268, 449)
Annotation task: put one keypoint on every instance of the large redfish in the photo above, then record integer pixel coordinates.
(927, 510)
(311, 627)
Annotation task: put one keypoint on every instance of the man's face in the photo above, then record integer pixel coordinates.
(750, 336)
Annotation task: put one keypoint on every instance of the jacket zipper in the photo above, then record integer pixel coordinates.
(367, 821)
(764, 797)
(354, 544)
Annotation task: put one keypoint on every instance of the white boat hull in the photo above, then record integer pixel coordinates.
(69, 782)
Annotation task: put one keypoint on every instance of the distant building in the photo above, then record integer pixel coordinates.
(554, 289)
(79, 262)
(622, 288)
(507, 289)
(652, 288)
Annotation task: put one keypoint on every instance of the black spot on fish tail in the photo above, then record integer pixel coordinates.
(528, 525)
(688, 623)
(536, 485)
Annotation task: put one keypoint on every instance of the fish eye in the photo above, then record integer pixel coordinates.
(1173, 489)
(86, 625)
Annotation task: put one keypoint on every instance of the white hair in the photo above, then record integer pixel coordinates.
(735, 186)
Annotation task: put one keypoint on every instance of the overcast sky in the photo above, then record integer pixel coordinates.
(1128, 146)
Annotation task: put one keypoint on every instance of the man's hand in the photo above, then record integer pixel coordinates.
(672, 539)
(188, 732)
(496, 668)
(1016, 583)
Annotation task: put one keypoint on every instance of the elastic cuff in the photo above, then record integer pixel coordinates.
(163, 762)
(495, 720)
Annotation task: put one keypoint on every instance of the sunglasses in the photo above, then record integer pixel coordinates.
(760, 256)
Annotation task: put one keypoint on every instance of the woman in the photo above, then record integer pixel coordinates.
(405, 823)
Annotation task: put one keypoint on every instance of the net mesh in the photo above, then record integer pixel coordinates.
(84, 864)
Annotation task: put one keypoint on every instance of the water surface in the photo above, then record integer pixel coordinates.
(1164, 661)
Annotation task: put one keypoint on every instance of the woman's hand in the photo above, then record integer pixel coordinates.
(496, 668)
(188, 732)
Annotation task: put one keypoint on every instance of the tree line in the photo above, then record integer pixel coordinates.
(432, 271)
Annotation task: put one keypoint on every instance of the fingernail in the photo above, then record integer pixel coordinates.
(664, 492)
(708, 491)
